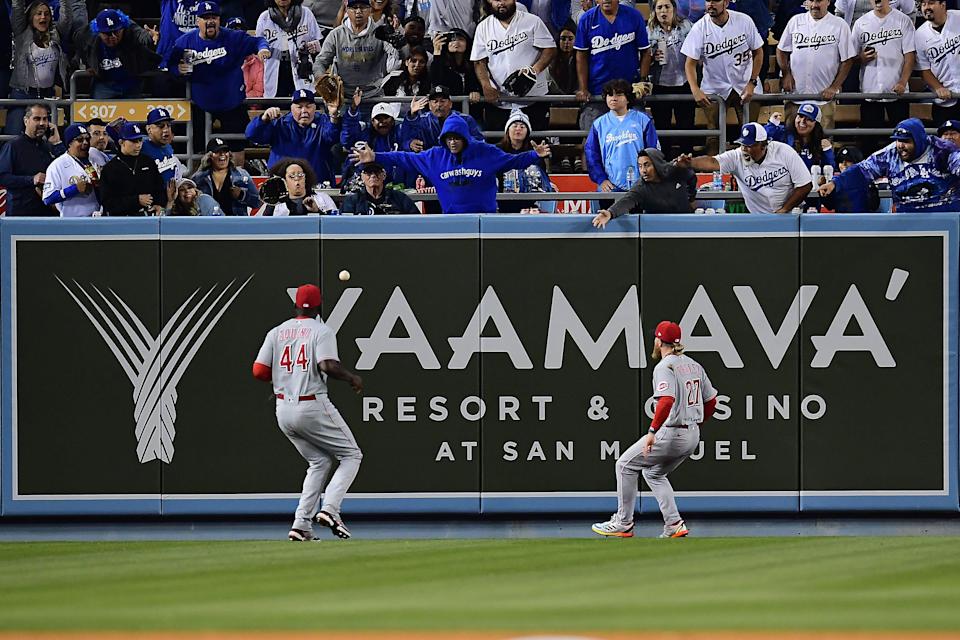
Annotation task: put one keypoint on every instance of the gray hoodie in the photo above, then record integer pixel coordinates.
(677, 187)
(360, 58)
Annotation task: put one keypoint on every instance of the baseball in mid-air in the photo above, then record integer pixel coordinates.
(344, 275)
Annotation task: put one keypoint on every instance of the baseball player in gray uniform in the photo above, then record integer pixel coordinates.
(298, 356)
(685, 400)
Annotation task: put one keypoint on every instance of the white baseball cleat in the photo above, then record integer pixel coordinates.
(613, 528)
(678, 530)
(333, 522)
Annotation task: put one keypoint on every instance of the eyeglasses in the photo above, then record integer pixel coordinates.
(297, 176)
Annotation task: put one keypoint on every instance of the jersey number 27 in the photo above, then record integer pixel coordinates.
(302, 361)
(693, 392)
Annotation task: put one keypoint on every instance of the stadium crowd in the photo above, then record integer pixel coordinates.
(391, 124)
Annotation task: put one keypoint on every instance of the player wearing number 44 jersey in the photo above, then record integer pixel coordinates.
(297, 357)
(685, 400)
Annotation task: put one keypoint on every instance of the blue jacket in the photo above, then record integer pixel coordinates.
(217, 78)
(466, 182)
(239, 178)
(355, 130)
(427, 128)
(930, 182)
(779, 133)
(20, 160)
(288, 139)
(859, 195)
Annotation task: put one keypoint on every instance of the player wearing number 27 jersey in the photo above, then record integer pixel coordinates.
(685, 400)
(297, 357)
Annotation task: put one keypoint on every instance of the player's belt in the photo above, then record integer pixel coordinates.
(300, 399)
(676, 426)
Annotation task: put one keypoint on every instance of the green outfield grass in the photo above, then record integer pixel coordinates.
(602, 585)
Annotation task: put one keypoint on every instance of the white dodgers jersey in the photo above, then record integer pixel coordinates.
(683, 379)
(293, 352)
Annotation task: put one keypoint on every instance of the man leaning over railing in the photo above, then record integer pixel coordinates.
(923, 171)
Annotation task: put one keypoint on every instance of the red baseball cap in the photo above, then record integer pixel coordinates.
(308, 296)
(668, 332)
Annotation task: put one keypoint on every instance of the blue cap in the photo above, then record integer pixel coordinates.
(207, 8)
(303, 94)
(752, 133)
(948, 125)
(159, 115)
(131, 131)
(810, 111)
(365, 3)
(110, 20)
(236, 23)
(74, 131)
(901, 133)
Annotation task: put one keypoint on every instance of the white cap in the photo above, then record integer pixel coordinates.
(385, 108)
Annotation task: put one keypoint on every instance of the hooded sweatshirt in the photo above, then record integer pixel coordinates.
(465, 182)
(930, 182)
(361, 59)
(677, 187)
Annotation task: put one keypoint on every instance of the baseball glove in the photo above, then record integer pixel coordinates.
(330, 89)
(520, 81)
(273, 190)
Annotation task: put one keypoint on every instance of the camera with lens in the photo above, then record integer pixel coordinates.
(449, 36)
(304, 63)
(388, 34)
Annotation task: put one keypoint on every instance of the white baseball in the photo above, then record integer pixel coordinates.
(344, 275)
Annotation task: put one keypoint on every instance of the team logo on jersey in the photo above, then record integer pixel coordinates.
(765, 179)
(941, 51)
(662, 386)
(814, 42)
(207, 56)
(499, 46)
(880, 37)
(154, 365)
(712, 50)
(599, 44)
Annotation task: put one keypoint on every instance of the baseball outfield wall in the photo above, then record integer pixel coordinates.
(505, 359)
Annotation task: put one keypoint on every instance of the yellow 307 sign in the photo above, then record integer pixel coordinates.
(132, 110)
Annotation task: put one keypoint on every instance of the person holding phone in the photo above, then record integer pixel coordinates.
(24, 161)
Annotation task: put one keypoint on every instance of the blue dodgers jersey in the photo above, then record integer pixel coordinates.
(614, 46)
(613, 145)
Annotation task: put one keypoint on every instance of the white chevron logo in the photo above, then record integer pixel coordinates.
(154, 365)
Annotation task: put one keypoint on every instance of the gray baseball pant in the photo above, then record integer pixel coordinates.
(670, 448)
(320, 434)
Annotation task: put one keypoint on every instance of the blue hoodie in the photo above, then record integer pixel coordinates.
(466, 182)
(288, 139)
(930, 182)
(217, 78)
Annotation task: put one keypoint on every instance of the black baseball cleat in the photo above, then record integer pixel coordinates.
(299, 535)
(333, 522)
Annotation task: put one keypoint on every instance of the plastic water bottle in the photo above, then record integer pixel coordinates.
(631, 177)
(815, 173)
(421, 184)
(717, 184)
(700, 210)
(510, 181)
(534, 183)
(828, 172)
(710, 211)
